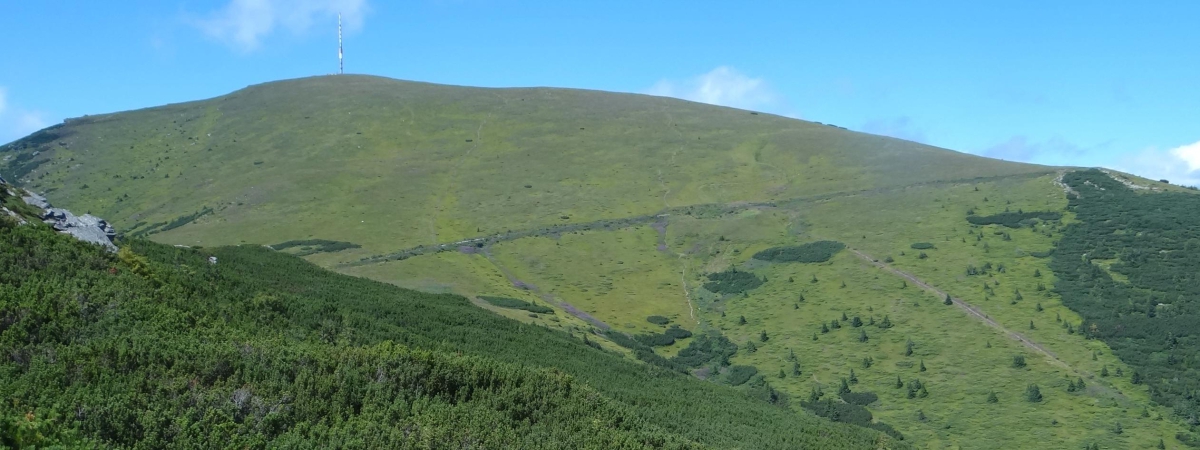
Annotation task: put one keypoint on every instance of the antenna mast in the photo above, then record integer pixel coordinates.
(340, 43)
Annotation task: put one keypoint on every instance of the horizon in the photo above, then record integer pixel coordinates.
(1064, 86)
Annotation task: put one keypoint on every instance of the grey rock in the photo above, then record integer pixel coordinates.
(36, 200)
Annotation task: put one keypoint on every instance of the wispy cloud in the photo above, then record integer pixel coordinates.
(244, 24)
(1180, 165)
(723, 86)
(899, 127)
(17, 122)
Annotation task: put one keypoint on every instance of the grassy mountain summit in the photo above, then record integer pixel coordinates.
(887, 284)
(391, 164)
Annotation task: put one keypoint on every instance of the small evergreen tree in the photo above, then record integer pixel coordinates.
(1039, 307)
(922, 369)
(1161, 445)
(795, 369)
(801, 298)
(750, 347)
(922, 393)
(987, 344)
(856, 322)
(862, 336)
(1120, 372)
(844, 318)
(844, 388)
(853, 377)
(1018, 362)
(1136, 378)
(791, 355)
(762, 336)
(1033, 393)
(1079, 384)
(791, 280)
(1037, 273)
(908, 348)
(948, 301)
(741, 320)
(868, 362)
(781, 374)
(1031, 327)
(1104, 371)
(814, 279)
(1070, 386)
(824, 328)
(886, 322)
(795, 306)
(1117, 428)
(899, 384)
(815, 335)
(991, 398)
(921, 415)
(843, 284)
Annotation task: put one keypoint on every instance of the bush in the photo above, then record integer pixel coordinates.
(706, 348)
(512, 303)
(739, 375)
(811, 252)
(312, 246)
(655, 339)
(732, 281)
(677, 333)
(658, 320)
(921, 246)
(860, 398)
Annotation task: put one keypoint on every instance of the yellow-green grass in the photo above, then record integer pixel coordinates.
(619, 277)
(962, 369)
(389, 164)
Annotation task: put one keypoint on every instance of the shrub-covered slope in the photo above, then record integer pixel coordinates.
(156, 346)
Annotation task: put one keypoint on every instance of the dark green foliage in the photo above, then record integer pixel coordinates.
(948, 300)
(658, 320)
(313, 246)
(811, 252)
(704, 349)
(1018, 362)
(655, 339)
(512, 303)
(844, 388)
(921, 246)
(859, 398)
(1033, 393)
(732, 281)
(739, 375)
(184, 220)
(157, 347)
(922, 256)
(848, 413)
(908, 348)
(824, 328)
(991, 398)
(885, 323)
(762, 336)
(795, 369)
(899, 383)
(862, 336)
(922, 367)
(1014, 219)
(741, 320)
(1150, 320)
(856, 322)
(677, 333)
(853, 378)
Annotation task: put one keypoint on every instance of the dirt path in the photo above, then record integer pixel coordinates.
(969, 308)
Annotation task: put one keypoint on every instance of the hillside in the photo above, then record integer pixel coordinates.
(928, 294)
(157, 345)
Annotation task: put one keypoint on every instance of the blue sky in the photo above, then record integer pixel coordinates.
(1065, 82)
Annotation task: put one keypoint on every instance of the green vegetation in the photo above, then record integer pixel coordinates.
(658, 320)
(1014, 219)
(811, 252)
(268, 348)
(921, 246)
(1148, 315)
(732, 281)
(512, 303)
(313, 246)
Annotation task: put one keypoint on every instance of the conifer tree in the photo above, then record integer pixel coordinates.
(741, 320)
(1136, 378)
(750, 347)
(1031, 327)
(824, 328)
(1018, 362)
(844, 388)
(853, 377)
(781, 374)
(844, 318)
(795, 369)
(856, 322)
(762, 336)
(1033, 393)
(908, 348)
(921, 415)
(1037, 273)
(922, 393)
(886, 322)
(948, 301)
(922, 369)
(991, 398)
(862, 336)
(899, 384)
(1104, 371)
(791, 355)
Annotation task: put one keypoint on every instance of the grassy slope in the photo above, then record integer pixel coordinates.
(412, 178)
(391, 164)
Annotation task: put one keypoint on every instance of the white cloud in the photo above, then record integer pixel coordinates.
(723, 86)
(16, 122)
(244, 24)
(1180, 165)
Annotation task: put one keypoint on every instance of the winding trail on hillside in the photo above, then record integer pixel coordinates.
(969, 308)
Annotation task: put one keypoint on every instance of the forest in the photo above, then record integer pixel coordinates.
(1129, 266)
(155, 345)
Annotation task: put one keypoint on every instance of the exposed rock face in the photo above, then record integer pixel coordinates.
(87, 228)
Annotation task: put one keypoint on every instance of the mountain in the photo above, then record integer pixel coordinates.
(241, 346)
(930, 295)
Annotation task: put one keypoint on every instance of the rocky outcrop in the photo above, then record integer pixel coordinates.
(87, 228)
